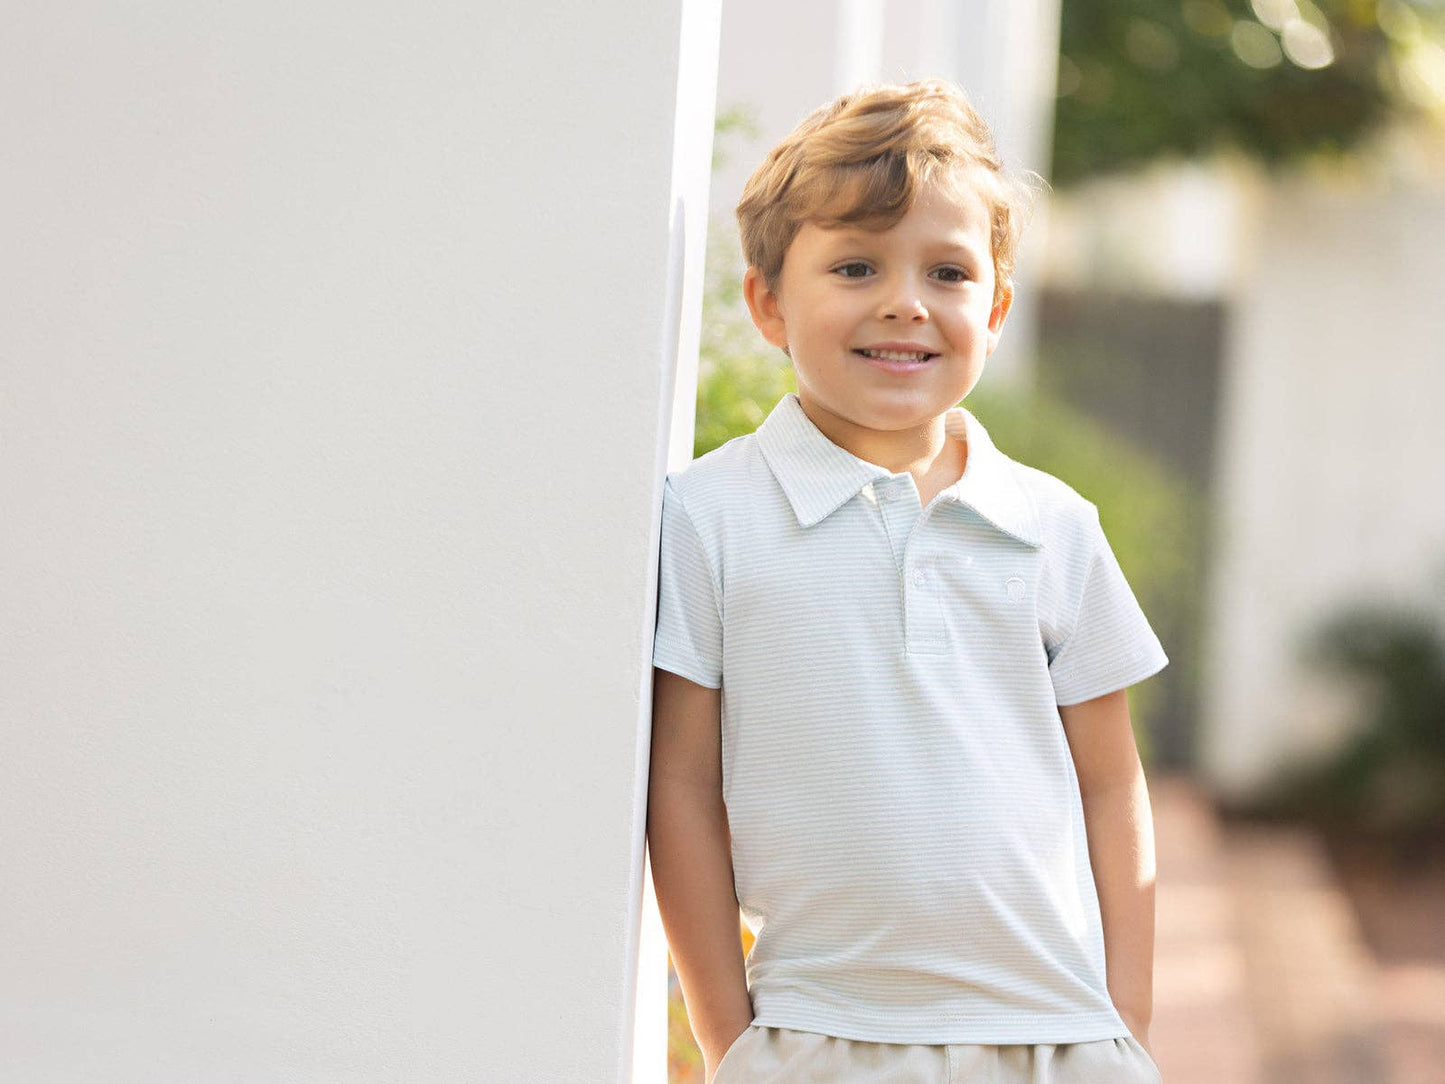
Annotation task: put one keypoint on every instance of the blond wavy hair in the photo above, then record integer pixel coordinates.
(862, 160)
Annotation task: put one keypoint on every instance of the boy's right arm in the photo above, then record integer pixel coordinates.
(691, 855)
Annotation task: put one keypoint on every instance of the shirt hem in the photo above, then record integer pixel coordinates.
(942, 1031)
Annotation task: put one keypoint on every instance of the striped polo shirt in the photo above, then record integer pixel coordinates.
(907, 831)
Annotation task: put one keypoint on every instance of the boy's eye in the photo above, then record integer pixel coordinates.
(952, 274)
(854, 270)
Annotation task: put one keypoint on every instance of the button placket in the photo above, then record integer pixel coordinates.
(924, 628)
(897, 516)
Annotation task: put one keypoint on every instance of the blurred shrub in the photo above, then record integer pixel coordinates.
(739, 375)
(1388, 779)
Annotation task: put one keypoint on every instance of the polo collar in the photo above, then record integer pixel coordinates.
(818, 476)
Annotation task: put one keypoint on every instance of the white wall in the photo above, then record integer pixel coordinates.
(780, 60)
(1332, 457)
(1174, 229)
(337, 371)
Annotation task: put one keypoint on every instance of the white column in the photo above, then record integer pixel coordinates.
(1006, 59)
(859, 43)
(338, 373)
(682, 329)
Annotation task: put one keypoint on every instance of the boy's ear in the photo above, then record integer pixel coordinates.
(763, 307)
(998, 314)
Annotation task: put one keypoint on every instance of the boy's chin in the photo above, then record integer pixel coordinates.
(899, 417)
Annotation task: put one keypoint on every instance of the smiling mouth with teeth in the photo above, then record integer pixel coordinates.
(896, 355)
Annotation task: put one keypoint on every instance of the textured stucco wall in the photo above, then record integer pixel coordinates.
(337, 376)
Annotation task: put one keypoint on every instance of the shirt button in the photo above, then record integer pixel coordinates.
(918, 579)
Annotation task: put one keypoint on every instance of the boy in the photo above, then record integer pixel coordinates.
(889, 710)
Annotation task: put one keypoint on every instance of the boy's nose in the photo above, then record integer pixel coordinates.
(904, 304)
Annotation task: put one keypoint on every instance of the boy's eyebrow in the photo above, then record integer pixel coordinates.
(850, 235)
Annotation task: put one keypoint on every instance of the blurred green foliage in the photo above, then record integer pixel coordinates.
(1145, 79)
(738, 119)
(739, 375)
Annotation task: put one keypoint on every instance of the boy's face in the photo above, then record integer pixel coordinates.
(887, 329)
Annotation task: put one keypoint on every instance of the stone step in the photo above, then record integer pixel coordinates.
(1262, 973)
(1312, 982)
(1202, 1031)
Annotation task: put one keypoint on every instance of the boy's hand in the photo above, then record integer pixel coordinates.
(711, 1059)
(1138, 1029)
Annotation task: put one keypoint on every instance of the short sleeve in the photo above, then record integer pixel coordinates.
(1109, 645)
(688, 640)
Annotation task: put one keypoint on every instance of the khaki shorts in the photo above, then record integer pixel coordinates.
(764, 1055)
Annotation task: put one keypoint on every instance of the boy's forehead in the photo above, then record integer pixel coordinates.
(961, 217)
(962, 194)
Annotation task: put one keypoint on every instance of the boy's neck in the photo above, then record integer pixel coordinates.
(935, 459)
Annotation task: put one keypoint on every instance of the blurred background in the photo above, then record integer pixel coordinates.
(1228, 335)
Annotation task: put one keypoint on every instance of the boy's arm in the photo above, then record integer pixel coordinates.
(691, 855)
(1120, 829)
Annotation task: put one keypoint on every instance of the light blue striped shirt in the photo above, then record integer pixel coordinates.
(908, 838)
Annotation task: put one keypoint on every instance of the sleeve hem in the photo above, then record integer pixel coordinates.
(1145, 667)
(690, 670)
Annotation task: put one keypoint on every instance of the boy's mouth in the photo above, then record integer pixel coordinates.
(897, 355)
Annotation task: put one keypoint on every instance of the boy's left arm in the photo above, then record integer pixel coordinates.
(1120, 830)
